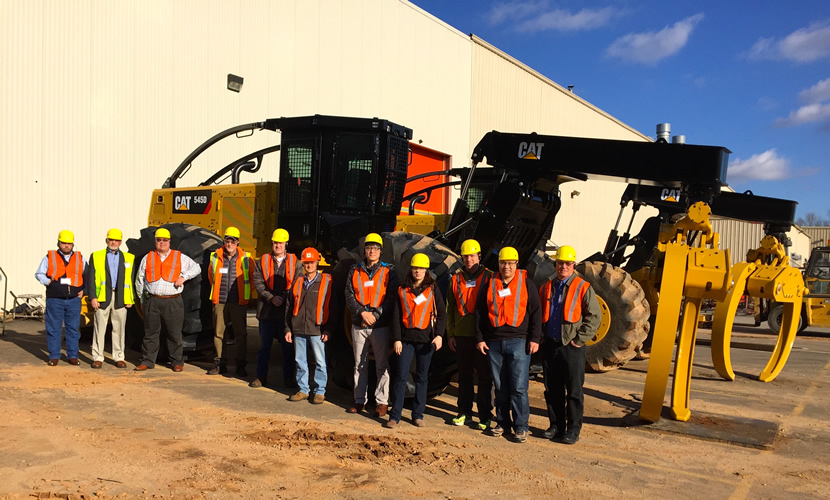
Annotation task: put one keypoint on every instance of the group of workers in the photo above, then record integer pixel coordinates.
(492, 320)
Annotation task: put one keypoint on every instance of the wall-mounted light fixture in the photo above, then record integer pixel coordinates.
(574, 194)
(234, 83)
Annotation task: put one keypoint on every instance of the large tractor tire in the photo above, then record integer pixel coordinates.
(398, 249)
(625, 316)
(197, 243)
(774, 319)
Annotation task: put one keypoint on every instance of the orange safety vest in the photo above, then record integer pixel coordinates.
(465, 297)
(58, 268)
(243, 278)
(509, 310)
(416, 315)
(573, 299)
(266, 263)
(323, 297)
(370, 294)
(169, 269)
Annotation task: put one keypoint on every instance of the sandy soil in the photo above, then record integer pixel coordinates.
(71, 432)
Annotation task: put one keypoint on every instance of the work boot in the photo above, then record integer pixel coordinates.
(218, 368)
(298, 396)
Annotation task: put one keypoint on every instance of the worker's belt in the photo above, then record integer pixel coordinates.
(165, 296)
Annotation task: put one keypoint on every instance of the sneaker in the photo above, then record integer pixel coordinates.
(460, 419)
(497, 431)
(390, 424)
(298, 396)
(419, 422)
(520, 436)
(483, 426)
(318, 399)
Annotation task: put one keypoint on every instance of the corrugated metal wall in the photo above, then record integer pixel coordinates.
(819, 235)
(101, 100)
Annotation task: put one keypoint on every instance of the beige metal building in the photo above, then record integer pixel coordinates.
(741, 236)
(101, 100)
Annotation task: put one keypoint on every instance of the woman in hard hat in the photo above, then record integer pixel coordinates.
(418, 327)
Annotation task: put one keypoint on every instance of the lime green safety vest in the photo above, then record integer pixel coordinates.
(99, 262)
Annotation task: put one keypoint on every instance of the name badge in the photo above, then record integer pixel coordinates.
(128, 265)
(223, 270)
(66, 281)
(420, 299)
(368, 283)
(471, 284)
(504, 292)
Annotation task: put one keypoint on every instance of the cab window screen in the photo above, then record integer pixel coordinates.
(295, 182)
(394, 184)
(353, 172)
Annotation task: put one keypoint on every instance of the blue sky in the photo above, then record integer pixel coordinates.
(752, 76)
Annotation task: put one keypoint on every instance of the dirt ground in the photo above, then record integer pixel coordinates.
(74, 432)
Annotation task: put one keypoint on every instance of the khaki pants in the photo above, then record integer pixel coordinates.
(102, 317)
(378, 340)
(238, 316)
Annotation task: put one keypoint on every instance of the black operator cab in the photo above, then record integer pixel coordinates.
(340, 178)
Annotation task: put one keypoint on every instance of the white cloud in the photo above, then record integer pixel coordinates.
(767, 103)
(652, 46)
(505, 11)
(562, 20)
(803, 45)
(532, 16)
(805, 114)
(817, 93)
(767, 166)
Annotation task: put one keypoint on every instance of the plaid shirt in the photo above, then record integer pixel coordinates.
(190, 270)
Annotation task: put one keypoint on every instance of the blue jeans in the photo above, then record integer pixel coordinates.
(302, 345)
(268, 330)
(60, 312)
(423, 355)
(510, 365)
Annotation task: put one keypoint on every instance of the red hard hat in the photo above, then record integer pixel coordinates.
(310, 255)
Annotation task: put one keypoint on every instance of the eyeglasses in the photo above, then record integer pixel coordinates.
(373, 247)
(564, 263)
(232, 240)
(161, 240)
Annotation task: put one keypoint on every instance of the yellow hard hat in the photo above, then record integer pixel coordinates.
(232, 232)
(66, 236)
(470, 247)
(419, 260)
(114, 234)
(508, 253)
(373, 238)
(566, 253)
(162, 233)
(280, 236)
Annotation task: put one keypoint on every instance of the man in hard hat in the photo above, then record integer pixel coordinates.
(110, 279)
(308, 326)
(571, 316)
(230, 290)
(508, 331)
(370, 298)
(62, 273)
(274, 273)
(159, 284)
(465, 286)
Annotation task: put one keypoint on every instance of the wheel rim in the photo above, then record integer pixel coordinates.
(605, 322)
